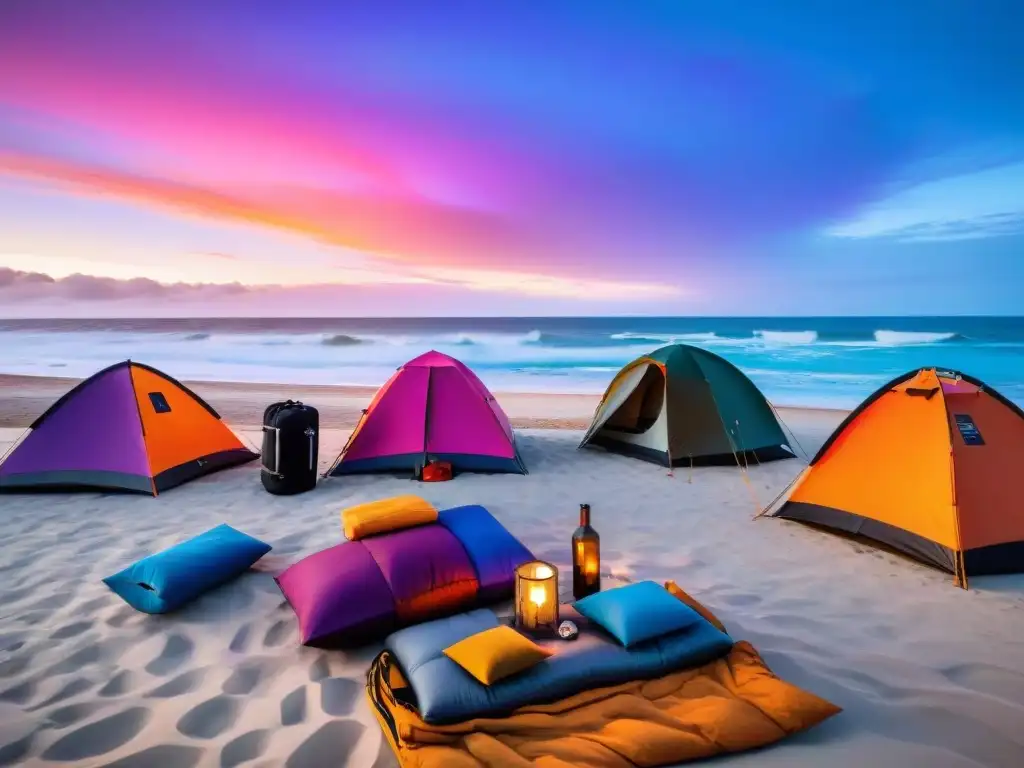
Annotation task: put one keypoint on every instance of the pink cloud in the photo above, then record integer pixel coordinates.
(406, 228)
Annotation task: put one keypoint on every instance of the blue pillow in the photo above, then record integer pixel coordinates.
(167, 580)
(637, 612)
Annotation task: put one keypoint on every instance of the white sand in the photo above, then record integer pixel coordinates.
(929, 675)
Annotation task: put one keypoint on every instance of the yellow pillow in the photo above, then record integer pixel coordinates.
(386, 515)
(495, 654)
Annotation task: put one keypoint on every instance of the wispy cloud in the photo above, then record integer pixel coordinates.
(17, 285)
(988, 203)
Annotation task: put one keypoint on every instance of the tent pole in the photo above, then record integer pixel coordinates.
(348, 442)
(786, 427)
(664, 407)
(732, 446)
(15, 444)
(426, 428)
(781, 493)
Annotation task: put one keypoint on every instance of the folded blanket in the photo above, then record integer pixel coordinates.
(386, 515)
(731, 704)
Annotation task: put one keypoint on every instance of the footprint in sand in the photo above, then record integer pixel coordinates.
(32, 618)
(90, 607)
(277, 633)
(14, 665)
(320, 669)
(12, 596)
(161, 756)
(246, 747)
(1001, 682)
(293, 707)
(71, 688)
(241, 639)
(73, 713)
(331, 744)
(122, 616)
(99, 738)
(338, 695)
(13, 753)
(118, 684)
(19, 694)
(246, 677)
(71, 630)
(177, 650)
(90, 654)
(52, 602)
(12, 641)
(178, 686)
(211, 718)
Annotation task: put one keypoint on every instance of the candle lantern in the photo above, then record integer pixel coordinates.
(536, 597)
(586, 557)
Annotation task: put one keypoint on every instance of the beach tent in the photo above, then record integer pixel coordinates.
(929, 465)
(684, 405)
(128, 427)
(433, 408)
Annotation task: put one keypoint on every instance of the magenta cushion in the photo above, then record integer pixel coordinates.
(338, 592)
(362, 590)
(418, 561)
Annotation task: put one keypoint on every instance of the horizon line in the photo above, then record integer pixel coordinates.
(514, 317)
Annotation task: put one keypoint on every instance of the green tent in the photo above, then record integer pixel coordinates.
(684, 405)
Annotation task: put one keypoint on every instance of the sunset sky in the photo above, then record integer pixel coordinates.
(315, 158)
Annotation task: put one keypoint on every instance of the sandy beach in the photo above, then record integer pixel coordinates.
(927, 674)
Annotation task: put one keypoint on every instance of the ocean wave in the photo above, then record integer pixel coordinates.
(340, 340)
(766, 337)
(470, 338)
(666, 338)
(898, 338)
(196, 337)
(787, 337)
(838, 368)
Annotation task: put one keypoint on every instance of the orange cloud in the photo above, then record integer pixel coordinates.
(404, 228)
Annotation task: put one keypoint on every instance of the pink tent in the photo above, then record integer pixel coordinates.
(432, 408)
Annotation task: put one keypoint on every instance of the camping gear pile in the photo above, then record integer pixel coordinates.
(927, 465)
(683, 695)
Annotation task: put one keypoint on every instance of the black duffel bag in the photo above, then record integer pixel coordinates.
(291, 442)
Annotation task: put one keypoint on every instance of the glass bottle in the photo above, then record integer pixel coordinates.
(586, 557)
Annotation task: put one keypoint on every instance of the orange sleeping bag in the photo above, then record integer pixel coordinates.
(731, 704)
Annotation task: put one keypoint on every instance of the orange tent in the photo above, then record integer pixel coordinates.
(128, 427)
(929, 465)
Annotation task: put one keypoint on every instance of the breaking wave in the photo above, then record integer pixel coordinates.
(340, 340)
(802, 361)
(666, 338)
(794, 338)
(896, 338)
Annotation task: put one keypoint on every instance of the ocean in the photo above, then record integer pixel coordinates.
(820, 362)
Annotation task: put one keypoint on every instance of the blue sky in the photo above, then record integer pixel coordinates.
(509, 158)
